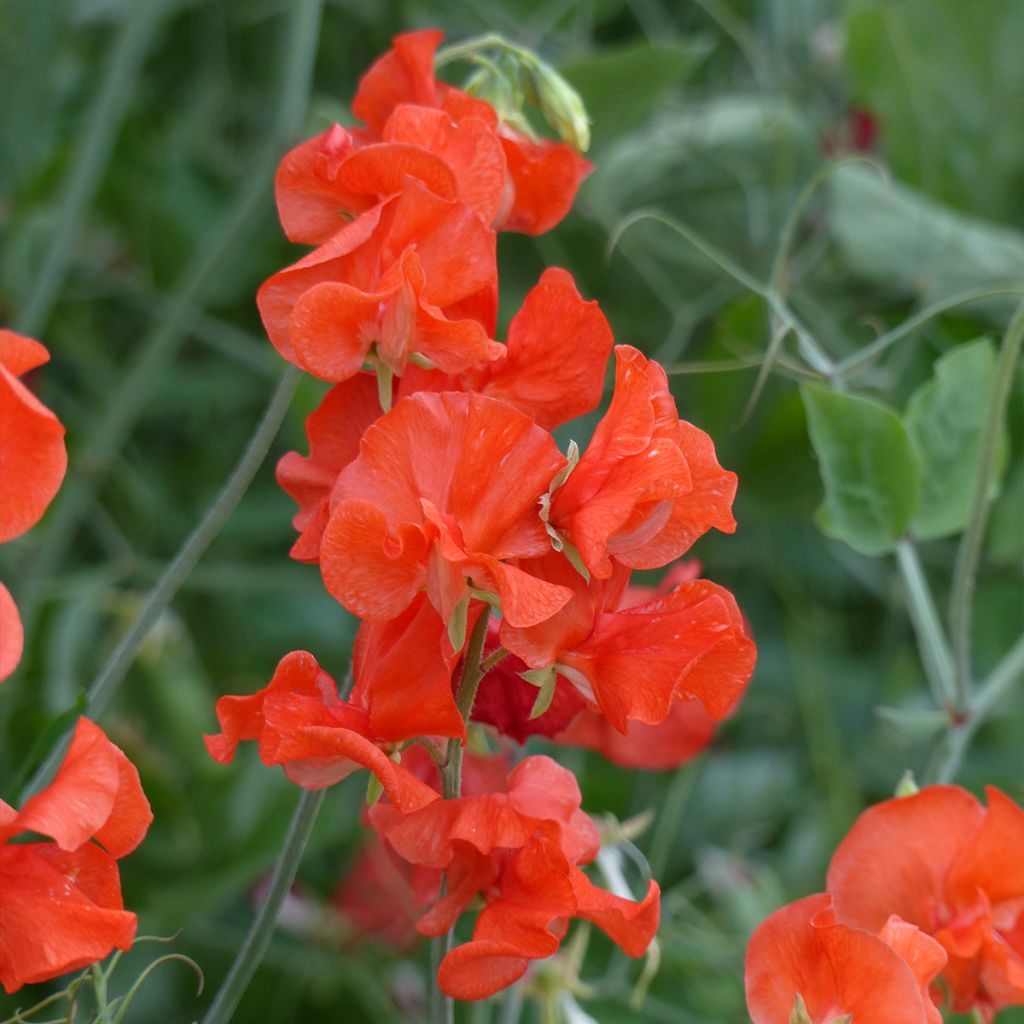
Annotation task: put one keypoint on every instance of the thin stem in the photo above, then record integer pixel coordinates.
(113, 672)
(969, 553)
(988, 697)
(931, 639)
(812, 352)
(103, 442)
(262, 929)
(91, 157)
(796, 214)
(999, 682)
(862, 357)
(442, 1006)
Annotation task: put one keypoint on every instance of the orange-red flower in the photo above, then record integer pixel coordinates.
(634, 661)
(648, 484)
(804, 954)
(413, 276)
(541, 178)
(520, 849)
(953, 868)
(403, 674)
(552, 365)
(551, 368)
(61, 901)
(334, 431)
(302, 724)
(337, 174)
(444, 495)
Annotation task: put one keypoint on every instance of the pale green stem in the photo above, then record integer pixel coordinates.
(931, 640)
(988, 697)
(969, 553)
(251, 952)
(92, 154)
(113, 672)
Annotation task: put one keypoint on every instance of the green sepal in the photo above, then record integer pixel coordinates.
(374, 790)
(457, 625)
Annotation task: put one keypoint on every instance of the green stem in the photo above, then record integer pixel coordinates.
(999, 682)
(442, 1006)
(262, 929)
(969, 553)
(99, 449)
(989, 695)
(92, 154)
(931, 640)
(862, 357)
(113, 672)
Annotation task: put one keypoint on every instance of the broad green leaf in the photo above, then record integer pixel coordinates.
(903, 242)
(945, 418)
(871, 473)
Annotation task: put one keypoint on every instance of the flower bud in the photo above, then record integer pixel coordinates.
(562, 106)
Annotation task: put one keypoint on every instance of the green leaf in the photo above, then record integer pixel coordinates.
(871, 473)
(945, 418)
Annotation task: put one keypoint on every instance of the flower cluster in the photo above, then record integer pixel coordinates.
(482, 560)
(925, 899)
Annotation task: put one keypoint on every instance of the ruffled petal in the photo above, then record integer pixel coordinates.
(403, 675)
(555, 356)
(545, 177)
(897, 856)
(334, 431)
(95, 794)
(801, 951)
(405, 74)
(630, 925)
(61, 911)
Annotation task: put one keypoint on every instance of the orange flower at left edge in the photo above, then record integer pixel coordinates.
(32, 464)
(62, 907)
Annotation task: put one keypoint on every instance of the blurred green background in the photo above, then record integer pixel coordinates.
(139, 140)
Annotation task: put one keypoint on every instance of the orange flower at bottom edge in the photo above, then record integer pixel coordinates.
(806, 967)
(62, 907)
(945, 863)
(520, 850)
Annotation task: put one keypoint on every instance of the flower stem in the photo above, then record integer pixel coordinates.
(969, 553)
(113, 672)
(262, 929)
(442, 1007)
(931, 640)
